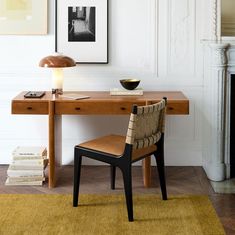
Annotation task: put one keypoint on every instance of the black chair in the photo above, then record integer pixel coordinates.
(145, 136)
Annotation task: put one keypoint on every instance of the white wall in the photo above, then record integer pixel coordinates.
(156, 41)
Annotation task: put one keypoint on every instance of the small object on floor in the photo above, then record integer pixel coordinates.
(27, 167)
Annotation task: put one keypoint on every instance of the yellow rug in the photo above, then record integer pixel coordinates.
(107, 215)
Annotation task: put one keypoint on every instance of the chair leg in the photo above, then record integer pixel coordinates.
(77, 173)
(126, 172)
(113, 176)
(161, 172)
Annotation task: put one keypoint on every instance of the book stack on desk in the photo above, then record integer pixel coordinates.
(27, 167)
(135, 92)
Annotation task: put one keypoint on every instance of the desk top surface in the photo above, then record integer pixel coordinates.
(99, 102)
(105, 96)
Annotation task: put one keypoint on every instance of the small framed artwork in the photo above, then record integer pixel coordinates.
(23, 17)
(82, 30)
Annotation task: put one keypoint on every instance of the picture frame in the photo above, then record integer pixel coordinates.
(23, 17)
(81, 30)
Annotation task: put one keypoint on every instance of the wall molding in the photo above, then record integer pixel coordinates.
(215, 20)
(181, 38)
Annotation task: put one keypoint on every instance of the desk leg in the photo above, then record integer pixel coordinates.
(51, 133)
(147, 166)
(147, 171)
(55, 144)
(58, 141)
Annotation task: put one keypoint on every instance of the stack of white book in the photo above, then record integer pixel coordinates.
(27, 167)
(117, 91)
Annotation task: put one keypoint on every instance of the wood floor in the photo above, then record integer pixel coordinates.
(95, 179)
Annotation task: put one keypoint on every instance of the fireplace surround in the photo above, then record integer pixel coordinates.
(219, 113)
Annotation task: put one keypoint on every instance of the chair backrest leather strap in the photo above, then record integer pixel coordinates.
(146, 124)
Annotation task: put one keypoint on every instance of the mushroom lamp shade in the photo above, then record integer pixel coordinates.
(57, 63)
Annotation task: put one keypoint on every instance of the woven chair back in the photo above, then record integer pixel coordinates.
(146, 125)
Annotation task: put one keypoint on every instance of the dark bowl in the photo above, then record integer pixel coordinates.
(130, 84)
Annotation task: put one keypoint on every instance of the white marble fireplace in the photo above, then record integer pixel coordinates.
(219, 64)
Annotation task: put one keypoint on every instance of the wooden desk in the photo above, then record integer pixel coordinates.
(99, 103)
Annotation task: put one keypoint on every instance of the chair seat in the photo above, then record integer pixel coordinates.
(115, 144)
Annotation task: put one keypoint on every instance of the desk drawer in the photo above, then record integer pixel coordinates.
(179, 107)
(94, 108)
(29, 107)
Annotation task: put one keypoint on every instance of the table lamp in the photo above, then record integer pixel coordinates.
(57, 62)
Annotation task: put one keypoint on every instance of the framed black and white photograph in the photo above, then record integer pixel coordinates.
(82, 30)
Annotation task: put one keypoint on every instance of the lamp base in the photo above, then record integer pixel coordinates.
(57, 91)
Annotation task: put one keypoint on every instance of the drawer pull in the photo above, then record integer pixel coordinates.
(170, 108)
(122, 108)
(77, 108)
(29, 108)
